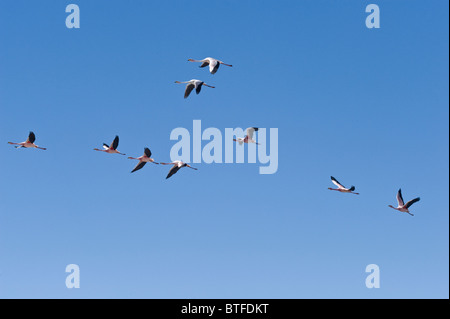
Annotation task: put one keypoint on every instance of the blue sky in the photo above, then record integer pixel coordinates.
(369, 107)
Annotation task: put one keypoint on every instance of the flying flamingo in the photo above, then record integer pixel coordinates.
(214, 64)
(110, 149)
(249, 137)
(341, 188)
(144, 159)
(29, 143)
(193, 84)
(176, 167)
(402, 207)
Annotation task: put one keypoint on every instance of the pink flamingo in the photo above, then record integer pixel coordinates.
(341, 187)
(193, 84)
(402, 207)
(176, 167)
(29, 143)
(110, 149)
(214, 64)
(144, 159)
(249, 137)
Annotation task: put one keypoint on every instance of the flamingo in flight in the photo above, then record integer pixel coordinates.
(402, 207)
(249, 137)
(341, 188)
(214, 64)
(110, 149)
(144, 159)
(29, 143)
(193, 84)
(176, 167)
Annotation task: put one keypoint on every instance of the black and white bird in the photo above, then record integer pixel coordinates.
(29, 143)
(193, 84)
(214, 64)
(176, 167)
(144, 159)
(402, 207)
(341, 188)
(249, 137)
(110, 149)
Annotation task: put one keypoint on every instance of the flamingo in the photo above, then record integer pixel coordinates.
(214, 64)
(110, 149)
(341, 188)
(249, 137)
(193, 84)
(29, 143)
(402, 207)
(144, 159)
(176, 167)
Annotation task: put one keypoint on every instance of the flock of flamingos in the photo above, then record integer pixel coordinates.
(214, 65)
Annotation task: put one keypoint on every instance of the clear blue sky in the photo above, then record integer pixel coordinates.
(369, 107)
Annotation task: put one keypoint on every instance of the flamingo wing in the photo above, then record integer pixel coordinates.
(251, 131)
(400, 200)
(335, 182)
(204, 64)
(31, 138)
(115, 143)
(198, 88)
(173, 170)
(415, 200)
(147, 152)
(189, 89)
(214, 66)
(138, 166)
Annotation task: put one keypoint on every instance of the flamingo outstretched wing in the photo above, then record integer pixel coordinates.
(115, 143)
(214, 66)
(138, 166)
(400, 200)
(189, 89)
(335, 182)
(31, 138)
(415, 200)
